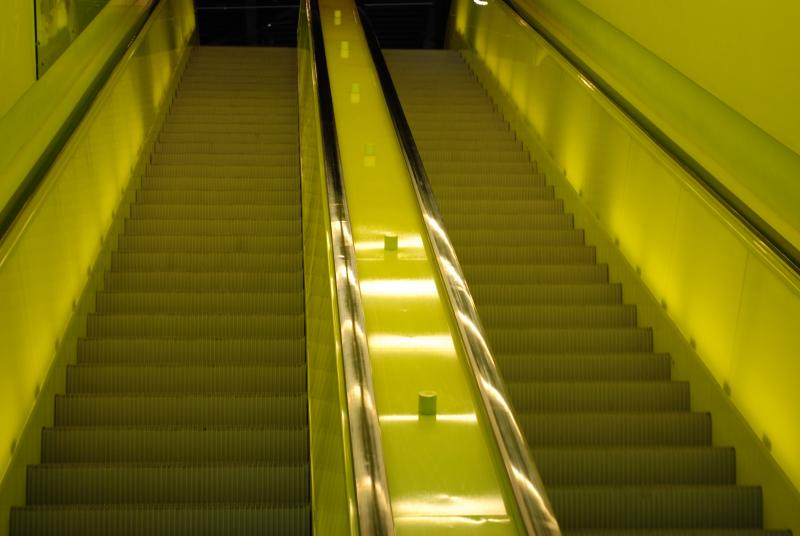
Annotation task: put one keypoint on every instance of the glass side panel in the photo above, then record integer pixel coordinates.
(58, 24)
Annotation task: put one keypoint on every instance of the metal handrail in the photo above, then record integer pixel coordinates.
(372, 491)
(772, 239)
(532, 502)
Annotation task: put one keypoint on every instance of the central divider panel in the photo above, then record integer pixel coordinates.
(443, 471)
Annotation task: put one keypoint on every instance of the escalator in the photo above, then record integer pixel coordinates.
(186, 413)
(615, 440)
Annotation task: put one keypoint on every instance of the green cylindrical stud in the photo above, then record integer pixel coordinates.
(369, 155)
(337, 17)
(427, 402)
(390, 242)
(344, 49)
(355, 93)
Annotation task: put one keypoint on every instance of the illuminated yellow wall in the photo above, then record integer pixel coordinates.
(49, 254)
(724, 306)
(17, 51)
(744, 53)
(683, 82)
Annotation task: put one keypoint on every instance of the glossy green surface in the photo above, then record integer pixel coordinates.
(333, 489)
(49, 254)
(443, 477)
(17, 51)
(733, 302)
(40, 119)
(756, 167)
(58, 24)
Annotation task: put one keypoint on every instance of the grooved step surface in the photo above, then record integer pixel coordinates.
(615, 441)
(186, 413)
(636, 466)
(161, 520)
(171, 444)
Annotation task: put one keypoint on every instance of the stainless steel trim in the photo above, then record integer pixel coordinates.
(532, 502)
(372, 491)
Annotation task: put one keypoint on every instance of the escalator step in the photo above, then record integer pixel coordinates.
(201, 281)
(638, 507)
(513, 274)
(190, 326)
(679, 532)
(492, 144)
(270, 138)
(616, 429)
(230, 171)
(499, 193)
(480, 168)
(227, 95)
(265, 200)
(192, 351)
(553, 294)
(164, 484)
(478, 208)
(559, 316)
(457, 222)
(130, 379)
(528, 254)
(199, 303)
(179, 410)
(449, 180)
(636, 466)
(179, 108)
(206, 262)
(585, 367)
(213, 116)
(181, 210)
(571, 341)
(518, 238)
(222, 129)
(207, 244)
(284, 160)
(600, 396)
(278, 100)
(211, 227)
(161, 520)
(223, 147)
(175, 445)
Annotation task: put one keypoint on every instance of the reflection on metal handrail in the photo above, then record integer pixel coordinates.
(534, 508)
(372, 492)
(771, 238)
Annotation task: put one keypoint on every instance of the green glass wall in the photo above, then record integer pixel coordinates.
(333, 489)
(58, 24)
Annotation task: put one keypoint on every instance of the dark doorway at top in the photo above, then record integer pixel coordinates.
(397, 23)
(247, 22)
(408, 23)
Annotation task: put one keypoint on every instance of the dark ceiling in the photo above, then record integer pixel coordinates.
(398, 24)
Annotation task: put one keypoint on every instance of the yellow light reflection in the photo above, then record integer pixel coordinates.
(585, 81)
(452, 521)
(423, 343)
(412, 242)
(400, 288)
(452, 417)
(442, 504)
